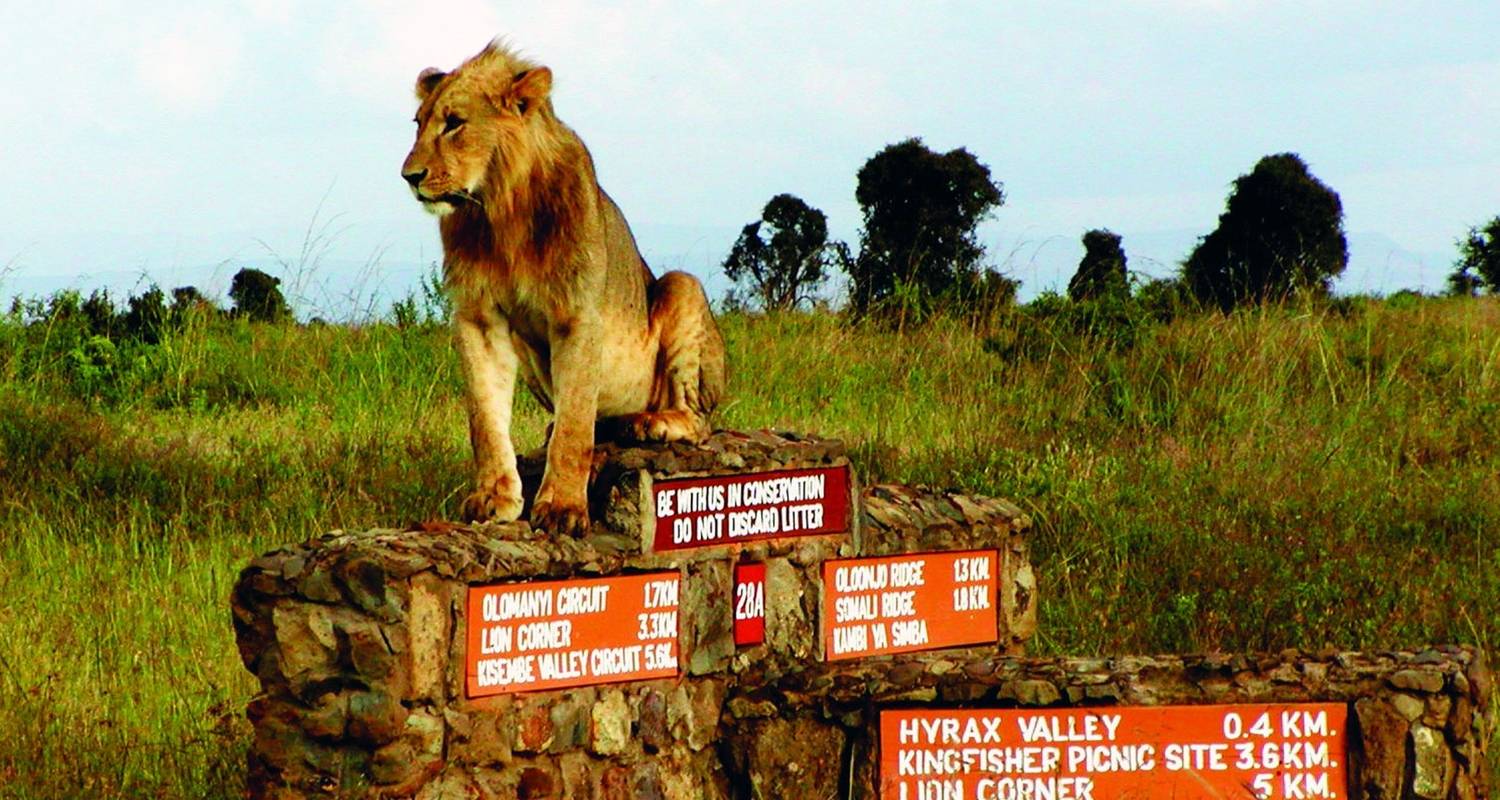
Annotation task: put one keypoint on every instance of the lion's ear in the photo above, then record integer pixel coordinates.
(427, 81)
(531, 87)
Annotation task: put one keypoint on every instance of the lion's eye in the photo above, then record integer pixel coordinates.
(452, 123)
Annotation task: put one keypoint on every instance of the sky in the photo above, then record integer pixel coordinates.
(175, 142)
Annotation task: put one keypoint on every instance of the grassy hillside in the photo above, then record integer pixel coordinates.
(1288, 477)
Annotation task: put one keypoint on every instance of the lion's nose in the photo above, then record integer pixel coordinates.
(414, 178)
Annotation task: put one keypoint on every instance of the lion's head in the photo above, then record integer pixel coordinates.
(478, 127)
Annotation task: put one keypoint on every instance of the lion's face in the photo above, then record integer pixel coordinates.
(468, 121)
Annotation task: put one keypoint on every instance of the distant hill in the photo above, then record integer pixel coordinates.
(350, 289)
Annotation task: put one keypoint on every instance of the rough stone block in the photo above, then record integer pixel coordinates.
(1434, 763)
(533, 725)
(1417, 680)
(429, 632)
(305, 638)
(375, 717)
(791, 629)
(797, 757)
(707, 638)
(609, 733)
(1407, 706)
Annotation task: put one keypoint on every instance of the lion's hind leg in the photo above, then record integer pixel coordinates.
(690, 375)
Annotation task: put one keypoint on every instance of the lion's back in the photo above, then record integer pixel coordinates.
(629, 275)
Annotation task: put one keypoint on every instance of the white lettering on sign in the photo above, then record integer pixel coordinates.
(498, 608)
(581, 600)
(1070, 728)
(694, 512)
(749, 604)
(971, 569)
(750, 601)
(851, 639)
(905, 603)
(909, 633)
(766, 492)
(751, 523)
(1267, 752)
(661, 594)
(548, 635)
(544, 635)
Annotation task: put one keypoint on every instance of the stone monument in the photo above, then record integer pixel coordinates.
(747, 620)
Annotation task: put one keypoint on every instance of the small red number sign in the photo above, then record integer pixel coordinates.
(749, 604)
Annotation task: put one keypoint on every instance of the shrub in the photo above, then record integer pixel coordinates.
(257, 296)
(1165, 299)
(146, 317)
(1102, 271)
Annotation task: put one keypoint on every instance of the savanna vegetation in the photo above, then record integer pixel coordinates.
(1245, 468)
(1293, 475)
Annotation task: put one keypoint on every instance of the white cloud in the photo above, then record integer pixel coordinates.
(1239, 7)
(698, 64)
(376, 51)
(277, 11)
(189, 63)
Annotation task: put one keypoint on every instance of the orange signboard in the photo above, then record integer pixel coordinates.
(1286, 751)
(537, 635)
(901, 604)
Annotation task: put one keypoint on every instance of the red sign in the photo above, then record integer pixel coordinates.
(901, 604)
(749, 604)
(728, 509)
(550, 634)
(1261, 751)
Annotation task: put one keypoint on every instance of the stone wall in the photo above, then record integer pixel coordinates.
(358, 641)
(357, 638)
(1420, 726)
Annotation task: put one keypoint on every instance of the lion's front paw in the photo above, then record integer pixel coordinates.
(495, 502)
(560, 520)
(649, 428)
(671, 425)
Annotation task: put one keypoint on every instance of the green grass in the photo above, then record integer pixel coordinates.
(1286, 477)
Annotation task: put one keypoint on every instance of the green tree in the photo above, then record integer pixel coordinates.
(1479, 255)
(1164, 299)
(783, 271)
(257, 296)
(1462, 282)
(100, 312)
(189, 303)
(145, 317)
(1102, 271)
(1282, 231)
(921, 210)
(62, 306)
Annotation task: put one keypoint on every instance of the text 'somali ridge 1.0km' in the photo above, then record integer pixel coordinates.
(903, 604)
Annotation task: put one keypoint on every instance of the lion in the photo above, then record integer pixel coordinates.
(547, 280)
